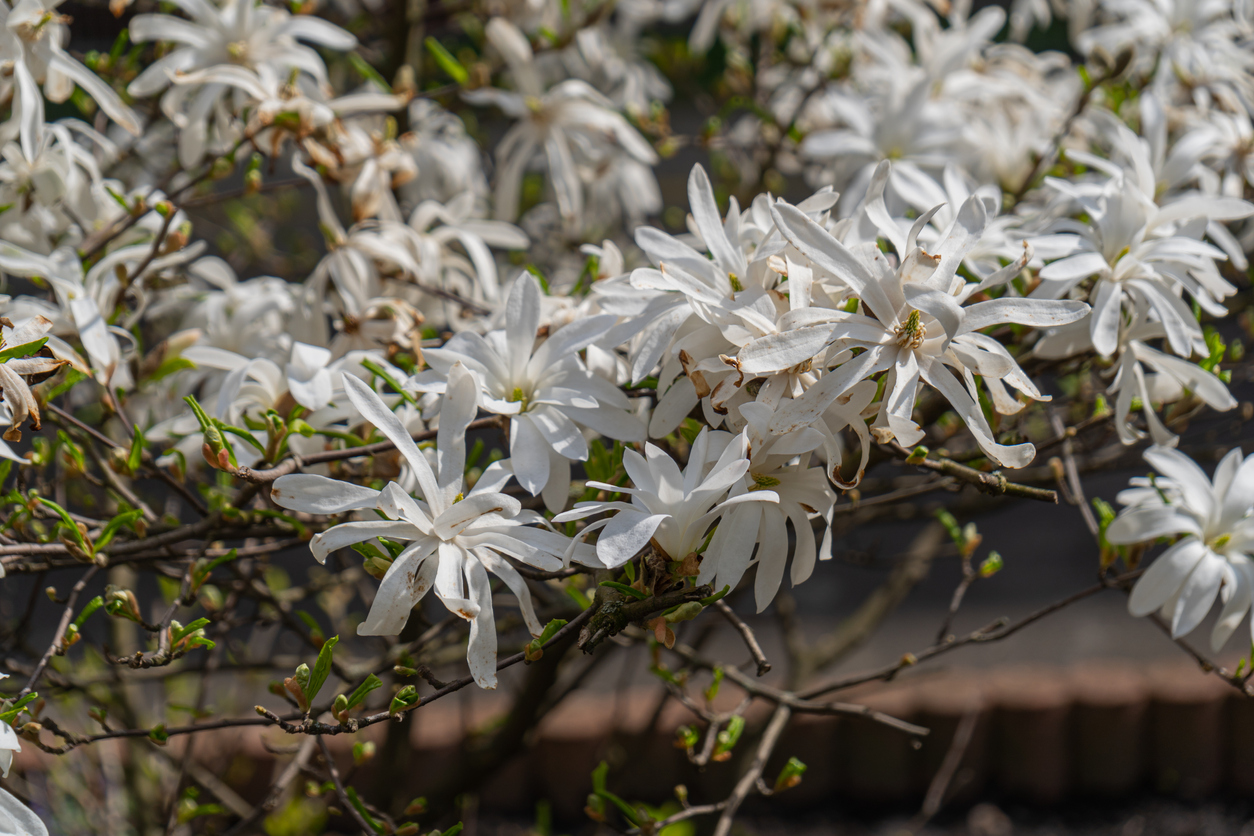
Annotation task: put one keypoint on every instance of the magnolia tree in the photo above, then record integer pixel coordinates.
(513, 405)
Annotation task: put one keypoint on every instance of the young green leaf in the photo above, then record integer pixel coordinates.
(321, 668)
(451, 66)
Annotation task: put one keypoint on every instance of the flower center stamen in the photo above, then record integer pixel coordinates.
(761, 483)
(912, 332)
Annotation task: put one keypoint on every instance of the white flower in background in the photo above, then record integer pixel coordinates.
(48, 194)
(571, 125)
(235, 32)
(310, 378)
(1167, 380)
(1212, 558)
(449, 162)
(279, 108)
(607, 57)
(744, 17)
(1197, 41)
(433, 230)
(777, 463)
(351, 264)
(9, 744)
(248, 318)
(546, 390)
(16, 819)
(916, 330)
(669, 508)
(1143, 251)
(32, 48)
(919, 134)
(454, 538)
(80, 301)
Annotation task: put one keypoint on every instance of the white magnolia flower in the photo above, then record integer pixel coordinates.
(1199, 41)
(454, 538)
(546, 390)
(1138, 250)
(311, 378)
(51, 193)
(1212, 558)
(33, 39)
(434, 228)
(234, 32)
(905, 124)
(17, 372)
(669, 508)
(9, 744)
(778, 463)
(1141, 372)
(248, 318)
(917, 330)
(352, 262)
(16, 819)
(449, 161)
(572, 125)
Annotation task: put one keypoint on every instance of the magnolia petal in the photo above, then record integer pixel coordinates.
(346, 534)
(625, 535)
(1165, 576)
(315, 494)
(1198, 594)
(372, 408)
(407, 580)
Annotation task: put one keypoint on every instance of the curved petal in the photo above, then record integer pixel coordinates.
(372, 408)
(626, 534)
(346, 534)
(1165, 576)
(407, 580)
(319, 495)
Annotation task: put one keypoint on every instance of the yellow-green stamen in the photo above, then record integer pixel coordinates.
(761, 483)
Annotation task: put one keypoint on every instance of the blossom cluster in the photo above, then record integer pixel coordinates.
(936, 220)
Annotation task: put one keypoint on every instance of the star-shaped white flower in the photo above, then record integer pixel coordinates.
(1212, 558)
(546, 390)
(673, 509)
(454, 538)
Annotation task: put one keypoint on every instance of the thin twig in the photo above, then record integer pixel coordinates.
(1000, 629)
(283, 468)
(350, 807)
(939, 787)
(766, 746)
(59, 635)
(1074, 486)
(746, 633)
(991, 483)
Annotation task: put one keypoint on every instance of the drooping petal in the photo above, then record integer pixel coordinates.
(346, 534)
(516, 583)
(407, 580)
(481, 648)
(1195, 487)
(457, 410)
(1238, 604)
(530, 454)
(772, 557)
(314, 494)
